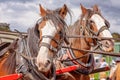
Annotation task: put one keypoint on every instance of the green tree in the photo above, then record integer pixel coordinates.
(116, 35)
(4, 27)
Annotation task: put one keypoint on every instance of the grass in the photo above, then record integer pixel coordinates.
(96, 76)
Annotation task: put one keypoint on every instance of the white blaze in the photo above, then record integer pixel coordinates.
(99, 21)
(48, 29)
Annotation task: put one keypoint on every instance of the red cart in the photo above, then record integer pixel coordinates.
(60, 71)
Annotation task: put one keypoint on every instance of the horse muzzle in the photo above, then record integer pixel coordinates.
(107, 45)
(44, 66)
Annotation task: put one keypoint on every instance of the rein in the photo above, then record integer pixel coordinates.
(95, 52)
(94, 37)
(86, 68)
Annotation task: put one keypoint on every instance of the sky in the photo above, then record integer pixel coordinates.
(22, 14)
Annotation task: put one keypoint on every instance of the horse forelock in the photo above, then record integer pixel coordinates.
(54, 16)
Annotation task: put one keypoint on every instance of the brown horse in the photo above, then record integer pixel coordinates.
(43, 41)
(91, 23)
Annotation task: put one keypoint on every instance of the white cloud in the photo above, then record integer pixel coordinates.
(12, 14)
(24, 13)
(113, 25)
(76, 15)
(115, 3)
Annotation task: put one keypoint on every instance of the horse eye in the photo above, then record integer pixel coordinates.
(63, 13)
(91, 21)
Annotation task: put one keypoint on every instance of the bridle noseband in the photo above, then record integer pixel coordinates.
(96, 34)
(49, 46)
(59, 41)
(88, 23)
(99, 31)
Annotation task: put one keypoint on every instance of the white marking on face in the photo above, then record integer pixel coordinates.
(48, 29)
(99, 21)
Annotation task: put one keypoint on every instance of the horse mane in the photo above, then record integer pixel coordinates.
(54, 16)
(75, 29)
(33, 33)
(33, 41)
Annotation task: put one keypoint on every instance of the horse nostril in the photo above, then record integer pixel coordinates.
(47, 63)
(106, 42)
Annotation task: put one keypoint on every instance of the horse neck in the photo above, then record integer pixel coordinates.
(78, 43)
(8, 63)
(2, 61)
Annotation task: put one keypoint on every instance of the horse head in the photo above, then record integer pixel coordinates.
(95, 24)
(51, 33)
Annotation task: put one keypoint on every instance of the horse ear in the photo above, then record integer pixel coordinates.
(95, 8)
(63, 11)
(83, 9)
(42, 11)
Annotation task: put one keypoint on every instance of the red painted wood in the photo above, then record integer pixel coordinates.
(60, 71)
(67, 69)
(11, 77)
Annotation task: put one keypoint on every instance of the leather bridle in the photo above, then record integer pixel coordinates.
(49, 46)
(86, 68)
(62, 39)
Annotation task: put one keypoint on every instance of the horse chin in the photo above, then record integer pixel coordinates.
(45, 69)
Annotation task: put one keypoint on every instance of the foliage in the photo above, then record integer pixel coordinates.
(116, 35)
(4, 27)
